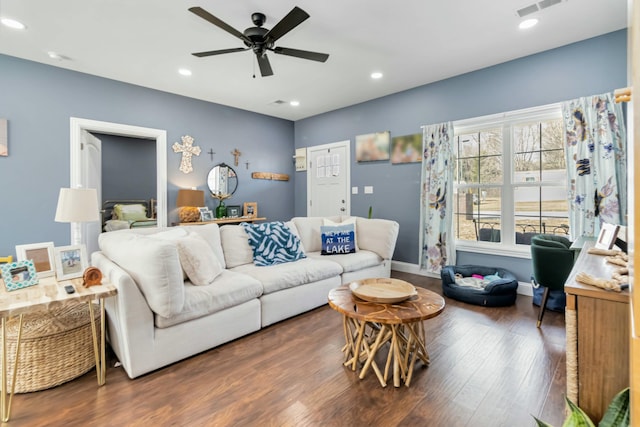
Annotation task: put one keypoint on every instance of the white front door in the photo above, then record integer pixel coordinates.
(328, 179)
(91, 149)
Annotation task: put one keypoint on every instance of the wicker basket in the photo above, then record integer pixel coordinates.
(56, 347)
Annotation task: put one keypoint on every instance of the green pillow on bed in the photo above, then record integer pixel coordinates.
(130, 212)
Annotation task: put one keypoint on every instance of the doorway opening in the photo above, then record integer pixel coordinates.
(79, 171)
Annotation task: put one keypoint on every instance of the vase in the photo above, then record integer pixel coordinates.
(221, 210)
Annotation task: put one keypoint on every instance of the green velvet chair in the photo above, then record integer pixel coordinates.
(552, 262)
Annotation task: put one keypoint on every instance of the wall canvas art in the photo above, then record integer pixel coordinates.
(4, 138)
(372, 147)
(406, 149)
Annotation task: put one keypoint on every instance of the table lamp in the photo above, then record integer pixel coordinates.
(76, 205)
(188, 202)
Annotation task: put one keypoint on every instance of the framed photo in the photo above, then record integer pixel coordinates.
(607, 236)
(19, 274)
(42, 256)
(250, 209)
(206, 215)
(406, 149)
(4, 139)
(233, 211)
(373, 146)
(71, 261)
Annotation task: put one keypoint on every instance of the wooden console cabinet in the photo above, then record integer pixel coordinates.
(598, 331)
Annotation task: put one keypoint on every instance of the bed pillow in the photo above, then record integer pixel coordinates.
(198, 260)
(273, 243)
(130, 212)
(348, 232)
(338, 239)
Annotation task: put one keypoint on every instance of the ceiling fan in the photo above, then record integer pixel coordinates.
(260, 39)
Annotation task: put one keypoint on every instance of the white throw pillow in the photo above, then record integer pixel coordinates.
(350, 220)
(198, 259)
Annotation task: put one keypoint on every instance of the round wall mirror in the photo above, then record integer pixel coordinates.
(222, 180)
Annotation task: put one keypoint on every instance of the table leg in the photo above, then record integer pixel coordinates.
(99, 348)
(371, 354)
(6, 404)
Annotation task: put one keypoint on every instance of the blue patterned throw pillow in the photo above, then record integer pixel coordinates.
(338, 239)
(273, 243)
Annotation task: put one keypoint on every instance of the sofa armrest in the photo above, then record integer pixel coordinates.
(377, 235)
(130, 319)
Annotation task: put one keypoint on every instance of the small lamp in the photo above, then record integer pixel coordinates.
(76, 205)
(188, 202)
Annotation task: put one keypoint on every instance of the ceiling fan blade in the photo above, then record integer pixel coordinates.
(218, 23)
(286, 24)
(304, 54)
(219, 52)
(265, 66)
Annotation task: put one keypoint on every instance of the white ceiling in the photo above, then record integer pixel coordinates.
(413, 42)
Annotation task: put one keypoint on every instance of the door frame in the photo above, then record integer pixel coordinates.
(77, 125)
(347, 146)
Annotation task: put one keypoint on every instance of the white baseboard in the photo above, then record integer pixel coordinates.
(524, 288)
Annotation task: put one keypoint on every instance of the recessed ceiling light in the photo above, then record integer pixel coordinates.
(12, 23)
(528, 23)
(376, 75)
(294, 103)
(184, 72)
(54, 55)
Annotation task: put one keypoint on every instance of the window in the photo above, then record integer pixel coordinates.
(510, 179)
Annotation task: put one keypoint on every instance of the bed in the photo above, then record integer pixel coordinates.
(125, 214)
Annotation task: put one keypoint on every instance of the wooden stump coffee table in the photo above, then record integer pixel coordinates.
(370, 325)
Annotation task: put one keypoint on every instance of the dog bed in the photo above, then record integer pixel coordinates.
(479, 285)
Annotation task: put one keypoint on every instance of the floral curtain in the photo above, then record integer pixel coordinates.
(596, 163)
(436, 226)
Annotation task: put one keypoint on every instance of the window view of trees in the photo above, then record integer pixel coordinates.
(531, 182)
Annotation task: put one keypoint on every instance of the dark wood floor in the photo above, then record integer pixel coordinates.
(489, 367)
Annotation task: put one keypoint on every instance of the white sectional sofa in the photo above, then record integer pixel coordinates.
(159, 316)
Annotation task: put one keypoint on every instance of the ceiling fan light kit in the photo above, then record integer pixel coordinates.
(259, 39)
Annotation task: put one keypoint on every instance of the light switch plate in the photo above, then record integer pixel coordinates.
(354, 190)
(368, 189)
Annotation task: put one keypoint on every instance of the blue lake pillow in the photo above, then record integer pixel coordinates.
(273, 243)
(338, 239)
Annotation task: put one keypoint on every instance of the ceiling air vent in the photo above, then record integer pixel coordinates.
(278, 102)
(535, 7)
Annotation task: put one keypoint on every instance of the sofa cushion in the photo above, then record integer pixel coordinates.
(291, 274)
(152, 263)
(377, 235)
(309, 231)
(273, 243)
(235, 244)
(210, 233)
(227, 290)
(352, 262)
(198, 259)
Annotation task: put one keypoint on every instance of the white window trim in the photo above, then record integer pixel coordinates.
(507, 247)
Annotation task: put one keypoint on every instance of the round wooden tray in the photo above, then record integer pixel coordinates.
(382, 290)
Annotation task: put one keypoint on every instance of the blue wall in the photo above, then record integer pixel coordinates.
(589, 67)
(128, 168)
(38, 101)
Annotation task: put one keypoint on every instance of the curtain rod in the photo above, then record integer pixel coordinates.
(622, 94)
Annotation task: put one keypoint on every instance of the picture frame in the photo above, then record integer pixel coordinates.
(607, 236)
(42, 256)
(206, 215)
(71, 261)
(19, 274)
(373, 147)
(4, 138)
(233, 211)
(406, 149)
(250, 209)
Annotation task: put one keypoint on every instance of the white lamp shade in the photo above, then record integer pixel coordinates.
(77, 205)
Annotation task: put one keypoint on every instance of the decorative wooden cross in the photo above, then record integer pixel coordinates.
(211, 153)
(187, 149)
(237, 155)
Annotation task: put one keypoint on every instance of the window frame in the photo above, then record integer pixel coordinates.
(507, 246)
